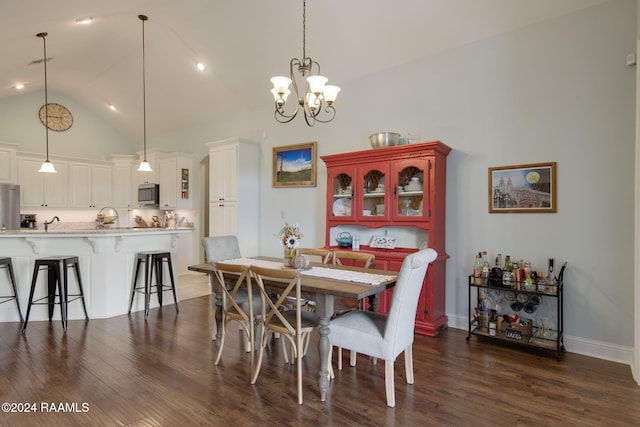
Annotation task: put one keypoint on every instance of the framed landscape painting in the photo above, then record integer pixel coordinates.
(294, 165)
(523, 188)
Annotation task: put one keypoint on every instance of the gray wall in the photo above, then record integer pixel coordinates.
(556, 91)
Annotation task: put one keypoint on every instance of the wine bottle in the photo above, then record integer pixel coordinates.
(507, 272)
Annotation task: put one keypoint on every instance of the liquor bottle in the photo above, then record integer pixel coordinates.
(550, 275)
(477, 270)
(507, 271)
(499, 260)
(485, 268)
(520, 272)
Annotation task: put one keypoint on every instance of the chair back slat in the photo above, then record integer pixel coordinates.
(324, 255)
(239, 276)
(362, 259)
(275, 309)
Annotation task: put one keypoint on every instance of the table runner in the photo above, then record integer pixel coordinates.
(328, 273)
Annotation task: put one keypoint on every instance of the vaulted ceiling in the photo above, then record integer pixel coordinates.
(242, 43)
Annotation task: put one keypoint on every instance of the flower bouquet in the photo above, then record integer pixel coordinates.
(290, 237)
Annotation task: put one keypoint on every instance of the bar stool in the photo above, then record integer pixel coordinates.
(6, 263)
(154, 261)
(57, 277)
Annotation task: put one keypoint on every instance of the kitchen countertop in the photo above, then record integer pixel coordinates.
(93, 232)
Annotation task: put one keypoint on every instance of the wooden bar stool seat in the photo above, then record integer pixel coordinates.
(153, 262)
(57, 286)
(6, 263)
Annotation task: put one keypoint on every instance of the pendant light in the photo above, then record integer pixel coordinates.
(47, 166)
(144, 165)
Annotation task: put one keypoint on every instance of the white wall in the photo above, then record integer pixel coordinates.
(89, 137)
(555, 91)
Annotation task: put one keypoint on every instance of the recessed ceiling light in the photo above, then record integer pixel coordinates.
(113, 107)
(200, 66)
(19, 86)
(84, 20)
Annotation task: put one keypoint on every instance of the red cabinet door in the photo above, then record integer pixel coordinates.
(411, 193)
(373, 194)
(341, 203)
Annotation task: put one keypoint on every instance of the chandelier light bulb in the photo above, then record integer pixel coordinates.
(316, 83)
(281, 83)
(330, 93)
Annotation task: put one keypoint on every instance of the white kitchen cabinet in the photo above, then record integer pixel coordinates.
(90, 185)
(223, 173)
(223, 218)
(122, 193)
(234, 191)
(8, 163)
(175, 176)
(42, 190)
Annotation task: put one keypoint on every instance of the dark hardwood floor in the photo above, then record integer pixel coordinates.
(128, 372)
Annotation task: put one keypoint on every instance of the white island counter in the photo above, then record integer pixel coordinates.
(106, 265)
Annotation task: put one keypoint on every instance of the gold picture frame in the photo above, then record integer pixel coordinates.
(529, 188)
(294, 165)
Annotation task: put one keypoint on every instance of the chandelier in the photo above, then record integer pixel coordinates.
(144, 165)
(316, 101)
(47, 166)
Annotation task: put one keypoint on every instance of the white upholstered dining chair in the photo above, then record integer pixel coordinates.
(344, 305)
(385, 337)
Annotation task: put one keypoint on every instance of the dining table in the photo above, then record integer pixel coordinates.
(324, 283)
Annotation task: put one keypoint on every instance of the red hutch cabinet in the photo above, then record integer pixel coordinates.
(402, 186)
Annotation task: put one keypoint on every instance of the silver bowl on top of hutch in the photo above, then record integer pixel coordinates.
(384, 139)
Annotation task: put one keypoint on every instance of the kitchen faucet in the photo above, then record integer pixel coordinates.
(46, 224)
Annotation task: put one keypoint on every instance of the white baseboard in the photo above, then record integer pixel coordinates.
(601, 350)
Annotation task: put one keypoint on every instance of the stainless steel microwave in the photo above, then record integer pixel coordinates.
(149, 195)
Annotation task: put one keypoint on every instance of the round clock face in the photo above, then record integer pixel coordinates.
(60, 118)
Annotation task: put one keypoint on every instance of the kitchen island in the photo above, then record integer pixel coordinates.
(106, 264)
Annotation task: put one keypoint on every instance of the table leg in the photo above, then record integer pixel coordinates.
(373, 302)
(216, 302)
(324, 308)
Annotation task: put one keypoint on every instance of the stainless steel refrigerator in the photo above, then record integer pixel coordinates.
(10, 206)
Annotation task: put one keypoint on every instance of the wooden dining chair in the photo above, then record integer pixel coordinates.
(359, 259)
(385, 337)
(237, 304)
(322, 255)
(292, 325)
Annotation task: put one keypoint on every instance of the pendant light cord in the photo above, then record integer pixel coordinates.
(144, 93)
(46, 98)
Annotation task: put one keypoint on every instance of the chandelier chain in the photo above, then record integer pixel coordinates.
(304, 29)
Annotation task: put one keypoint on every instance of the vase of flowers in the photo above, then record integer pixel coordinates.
(290, 237)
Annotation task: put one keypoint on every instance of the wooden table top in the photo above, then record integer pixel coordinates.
(328, 286)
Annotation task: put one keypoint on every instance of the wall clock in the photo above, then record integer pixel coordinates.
(60, 118)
